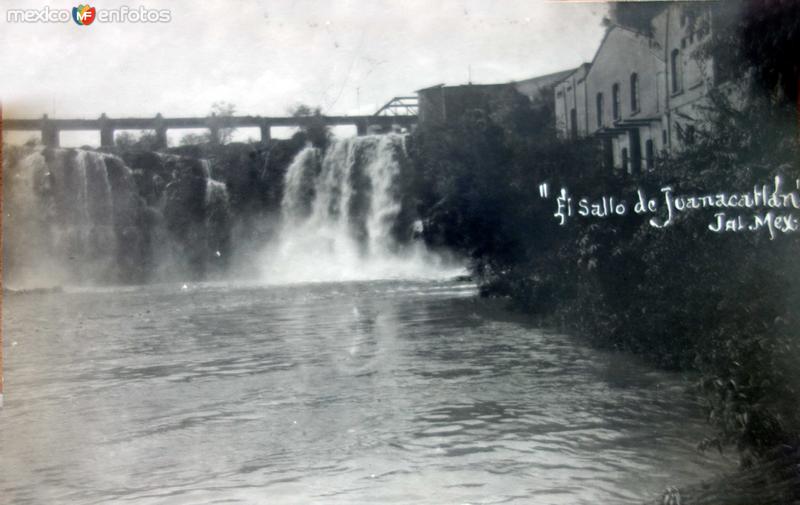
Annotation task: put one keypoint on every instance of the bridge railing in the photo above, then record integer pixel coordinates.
(51, 128)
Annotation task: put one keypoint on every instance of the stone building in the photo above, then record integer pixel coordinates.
(447, 104)
(642, 94)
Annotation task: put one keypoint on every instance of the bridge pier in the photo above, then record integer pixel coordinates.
(214, 134)
(266, 134)
(161, 137)
(361, 128)
(213, 129)
(161, 132)
(106, 132)
(50, 134)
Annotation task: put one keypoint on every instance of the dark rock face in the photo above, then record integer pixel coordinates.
(197, 217)
(184, 213)
(253, 175)
(150, 173)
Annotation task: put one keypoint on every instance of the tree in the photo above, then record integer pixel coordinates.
(193, 139)
(144, 140)
(315, 130)
(219, 109)
(223, 109)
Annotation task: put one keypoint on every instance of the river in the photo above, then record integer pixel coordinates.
(339, 393)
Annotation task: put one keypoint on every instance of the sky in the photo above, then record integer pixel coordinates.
(264, 56)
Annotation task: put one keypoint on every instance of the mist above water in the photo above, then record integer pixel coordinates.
(346, 215)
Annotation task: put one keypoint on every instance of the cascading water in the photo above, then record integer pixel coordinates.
(67, 214)
(75, 216)
(344, 217)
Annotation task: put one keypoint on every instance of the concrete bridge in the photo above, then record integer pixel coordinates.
(50, 128)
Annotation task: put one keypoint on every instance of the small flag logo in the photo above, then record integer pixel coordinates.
(83, 14)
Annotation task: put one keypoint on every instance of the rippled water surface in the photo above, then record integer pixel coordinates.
(366, 393)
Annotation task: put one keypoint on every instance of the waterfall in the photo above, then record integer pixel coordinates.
(75, 216)
(344, 217)
(67, 213)
(78, 216)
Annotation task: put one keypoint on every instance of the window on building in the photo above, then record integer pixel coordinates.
(634, 92)
(615, 100)
(675, 69)
(625, 159)
(599, 110)
(573, 123)
(650, 155)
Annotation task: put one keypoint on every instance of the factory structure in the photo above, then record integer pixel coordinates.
(641, 96)
(644, 91)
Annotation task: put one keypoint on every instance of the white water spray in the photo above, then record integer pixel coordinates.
(343, 217)
(75, 217)
(62, 211)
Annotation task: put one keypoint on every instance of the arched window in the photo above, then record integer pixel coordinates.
(634, 92)
(599, 110)
(615, 100)
(675, 68)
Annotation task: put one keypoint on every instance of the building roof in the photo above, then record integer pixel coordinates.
(547, 78)
(623, 28)
(441, 85)
(541, 80)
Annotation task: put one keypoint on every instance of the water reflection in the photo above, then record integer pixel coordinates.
(383, 392)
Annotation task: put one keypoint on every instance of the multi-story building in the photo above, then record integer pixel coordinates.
(643, 92)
